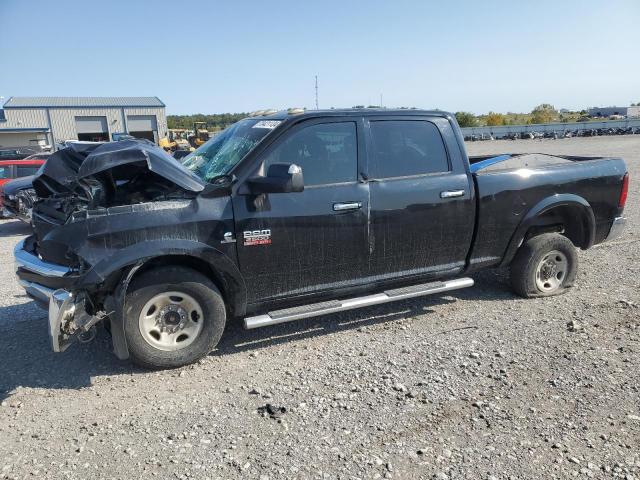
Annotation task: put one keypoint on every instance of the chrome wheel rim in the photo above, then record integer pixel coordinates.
(171, 321)
(551, 271)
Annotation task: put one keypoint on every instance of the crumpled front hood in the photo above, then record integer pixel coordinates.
(81, 160)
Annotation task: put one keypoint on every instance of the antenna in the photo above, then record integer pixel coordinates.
(317, 92)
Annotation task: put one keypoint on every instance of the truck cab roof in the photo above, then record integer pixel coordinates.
(295, 113)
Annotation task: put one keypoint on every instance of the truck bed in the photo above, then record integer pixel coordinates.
(493, 163)
(509, 187)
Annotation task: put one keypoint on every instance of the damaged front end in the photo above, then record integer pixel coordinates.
(87, 180)
(69, 317)
(95, 201)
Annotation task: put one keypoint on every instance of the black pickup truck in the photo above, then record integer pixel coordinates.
(294, 214)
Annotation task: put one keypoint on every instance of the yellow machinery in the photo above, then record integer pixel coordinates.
(180, 136)
(167, 144)
(176, 140)
(200, 134)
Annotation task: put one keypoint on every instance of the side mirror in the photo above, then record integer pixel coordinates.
(281, 178)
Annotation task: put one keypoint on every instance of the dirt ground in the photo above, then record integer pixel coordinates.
(476, 384)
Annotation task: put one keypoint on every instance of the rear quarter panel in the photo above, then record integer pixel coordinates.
(505, 198)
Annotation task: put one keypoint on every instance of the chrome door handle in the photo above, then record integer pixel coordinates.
(341, 207)
(452, 194)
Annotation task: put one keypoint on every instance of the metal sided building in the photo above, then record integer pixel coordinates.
(629, 112)
(41, 121)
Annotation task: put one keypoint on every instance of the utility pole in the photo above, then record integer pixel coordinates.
(317, 92)
(381, 100)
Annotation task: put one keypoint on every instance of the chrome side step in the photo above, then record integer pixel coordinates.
(333, 306)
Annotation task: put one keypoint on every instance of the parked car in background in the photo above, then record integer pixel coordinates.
(180, 154)
(117, 137)
(39, 156)
(12, 169)
(17, 198)
(15, 153)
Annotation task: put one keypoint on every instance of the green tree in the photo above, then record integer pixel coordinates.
(495, 119)
(544, 113)
(466, 119)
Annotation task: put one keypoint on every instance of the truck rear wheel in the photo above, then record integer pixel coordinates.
(544, 265)
(174, 316)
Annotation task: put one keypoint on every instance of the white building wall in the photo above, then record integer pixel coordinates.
(23, 139)
(21, 119)
(25, 118)
(63, 125)
(63, 121)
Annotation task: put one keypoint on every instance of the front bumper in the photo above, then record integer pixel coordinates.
(37, 292)
(616, 228)
(67, 316)
(32, 263)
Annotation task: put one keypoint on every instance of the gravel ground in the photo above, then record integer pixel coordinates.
(479, 384)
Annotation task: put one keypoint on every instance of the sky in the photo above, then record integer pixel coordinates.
(238, 56)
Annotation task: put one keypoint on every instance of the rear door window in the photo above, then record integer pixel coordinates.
(327, 153)
(403, 148)
(5, 172)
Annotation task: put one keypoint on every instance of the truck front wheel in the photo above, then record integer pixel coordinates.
(544, 265)
(174, 316)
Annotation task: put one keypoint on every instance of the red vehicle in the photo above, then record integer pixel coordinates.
(12, 169)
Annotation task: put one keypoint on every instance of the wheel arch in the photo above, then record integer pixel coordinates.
(117, 272)
(568, 214)
(228, 286)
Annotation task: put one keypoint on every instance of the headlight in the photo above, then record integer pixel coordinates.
(12, 197)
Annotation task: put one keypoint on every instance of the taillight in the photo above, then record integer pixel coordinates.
(625, 191)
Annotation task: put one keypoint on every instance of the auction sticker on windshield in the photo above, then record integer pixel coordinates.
(270, 124)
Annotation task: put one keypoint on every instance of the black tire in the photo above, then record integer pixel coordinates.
(173, 279)
(524, 267)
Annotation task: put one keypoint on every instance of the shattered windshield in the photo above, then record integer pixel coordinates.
(220, 154)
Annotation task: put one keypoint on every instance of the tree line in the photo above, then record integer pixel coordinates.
(544, 113)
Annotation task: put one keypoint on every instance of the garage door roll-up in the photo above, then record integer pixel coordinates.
(141, 123)
(91, 125)
(142, 126)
